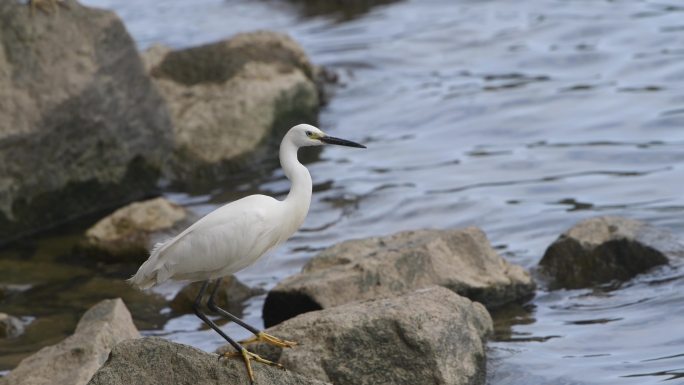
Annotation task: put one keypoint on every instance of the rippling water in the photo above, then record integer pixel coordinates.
(519, 117)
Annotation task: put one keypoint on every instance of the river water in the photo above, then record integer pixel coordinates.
(521, 118)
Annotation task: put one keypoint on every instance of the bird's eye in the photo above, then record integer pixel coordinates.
(309, 133)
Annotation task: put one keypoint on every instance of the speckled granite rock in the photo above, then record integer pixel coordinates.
(429, 336)
(154, 361)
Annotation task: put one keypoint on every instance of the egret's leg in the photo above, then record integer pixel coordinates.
(196, 308)
(259, 336)
(240, 351)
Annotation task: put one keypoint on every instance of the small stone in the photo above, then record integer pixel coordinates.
(10, 327)
(128, 233)
(599, 250)
(461, 260)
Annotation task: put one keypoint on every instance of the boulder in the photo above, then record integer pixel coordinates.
(131, 231)
(461, 260)
(10, 326)
(74, 360)
(600, 250)
(429, 336)
(82, 128)
(231, 296)
(230, 98)
(154, 361)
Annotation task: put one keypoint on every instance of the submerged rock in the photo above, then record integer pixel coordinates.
(75, 360)
(231, 296)
(154, 361)
(131, 231)
(229, 98)
(10, 327)
(602, 249)
(460, 260)
(82, 128)
(430, 336)
(341, 10)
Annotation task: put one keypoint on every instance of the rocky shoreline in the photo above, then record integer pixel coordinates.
(408, 308)
(123, 120)
(425, 330)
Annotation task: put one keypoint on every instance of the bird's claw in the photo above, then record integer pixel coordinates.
(268, 339)
(248, 356)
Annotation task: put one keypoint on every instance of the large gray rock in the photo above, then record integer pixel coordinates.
(82, 128)
(461, 260)
(602, 249)
(230, 296)
(154, 361)
(75, 360)
(131, 231)
(430, 336)
(229, 98)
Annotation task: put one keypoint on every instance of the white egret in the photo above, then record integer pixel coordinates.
(235, 235)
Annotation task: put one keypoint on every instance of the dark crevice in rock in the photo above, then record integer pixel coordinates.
(279, 306)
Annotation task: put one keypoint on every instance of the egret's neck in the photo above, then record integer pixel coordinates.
(300, 191)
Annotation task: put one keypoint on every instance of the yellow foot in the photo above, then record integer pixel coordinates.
(248, 356)
(268, 339)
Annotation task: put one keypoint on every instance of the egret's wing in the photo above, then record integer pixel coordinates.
(231, 238)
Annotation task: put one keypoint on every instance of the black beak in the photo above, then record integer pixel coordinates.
(340, 142)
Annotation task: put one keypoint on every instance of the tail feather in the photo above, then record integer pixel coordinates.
(146, 277)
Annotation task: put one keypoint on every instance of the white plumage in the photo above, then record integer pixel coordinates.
(234, 236)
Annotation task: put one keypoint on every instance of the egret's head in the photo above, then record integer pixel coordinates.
(308, 135)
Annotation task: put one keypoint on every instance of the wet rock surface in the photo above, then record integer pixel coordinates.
(229, 98)
(600, 250)
(230, 296)
(461, 260)
(430, 335)
(82, 127)
(154, 361)
(77, 358)
(131, 231)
